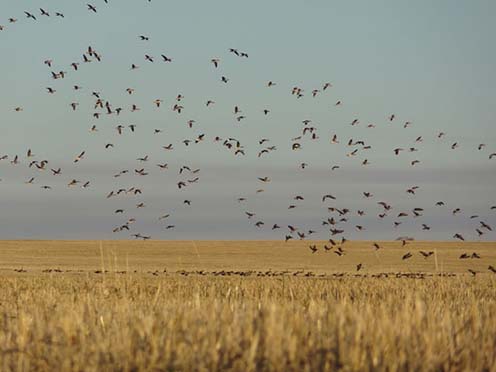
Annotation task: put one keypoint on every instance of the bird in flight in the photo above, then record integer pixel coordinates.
(29, 15)
(215, 62)
(79, 157)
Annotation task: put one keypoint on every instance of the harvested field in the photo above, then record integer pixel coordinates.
(244, 306)
(88, 256)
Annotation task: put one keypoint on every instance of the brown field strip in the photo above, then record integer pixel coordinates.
(173, 256)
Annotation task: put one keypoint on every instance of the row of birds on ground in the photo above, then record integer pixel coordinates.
(337, 219)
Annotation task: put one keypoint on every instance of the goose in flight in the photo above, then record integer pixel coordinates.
(426, 254)
(328, 196)
(485, 226)
(29, 15)
(79, 157)
(215, 61)
(326, 85)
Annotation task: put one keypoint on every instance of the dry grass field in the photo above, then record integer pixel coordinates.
(145, 256)
(245, 306)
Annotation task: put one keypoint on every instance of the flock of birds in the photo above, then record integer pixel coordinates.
(338, 220)
(266, 273)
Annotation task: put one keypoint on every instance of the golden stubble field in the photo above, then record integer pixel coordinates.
(144, 256)
(245, 306)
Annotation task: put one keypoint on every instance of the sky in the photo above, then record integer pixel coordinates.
(429, 63)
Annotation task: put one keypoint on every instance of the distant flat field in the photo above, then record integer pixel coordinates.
(210, 256)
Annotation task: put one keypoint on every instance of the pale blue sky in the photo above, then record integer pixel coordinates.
(431, 63)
